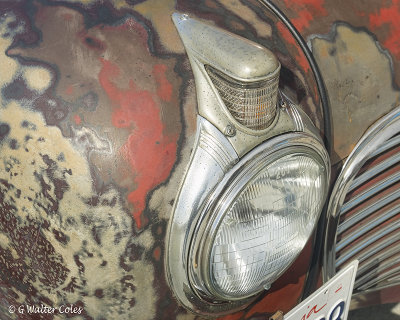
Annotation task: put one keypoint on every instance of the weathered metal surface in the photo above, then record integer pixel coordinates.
(97, 120)
(359, 82)
(356, 47)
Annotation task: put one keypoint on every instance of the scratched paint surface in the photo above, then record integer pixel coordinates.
(73, 178)
(97, 121)
(91, 138)
(379, 20)
(360, 84)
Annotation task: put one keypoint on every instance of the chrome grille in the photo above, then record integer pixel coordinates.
(364, 209)
(369, 220)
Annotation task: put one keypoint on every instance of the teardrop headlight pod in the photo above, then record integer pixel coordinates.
(259, 218)
(256, 180)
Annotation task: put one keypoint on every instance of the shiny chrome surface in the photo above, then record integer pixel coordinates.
(380, 274)
(364, 213)
(386, 146)
(222, 143)
(368, 193)
(367, 227)
(366, 243)
(374, 171)
(239, 58)
(206, 171)
(389, 259)
(226, 194)
(380, 256)
(212, 156)
(207, 45)
(364, 208)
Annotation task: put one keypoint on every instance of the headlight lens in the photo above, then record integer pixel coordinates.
(261, 222)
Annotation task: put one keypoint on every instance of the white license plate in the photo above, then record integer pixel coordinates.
(331, 301)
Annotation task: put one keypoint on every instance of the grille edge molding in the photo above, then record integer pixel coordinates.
(377, 140)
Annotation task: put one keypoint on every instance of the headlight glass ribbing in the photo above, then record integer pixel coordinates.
(266, 224)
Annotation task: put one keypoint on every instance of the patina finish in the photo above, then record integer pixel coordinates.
(97, 121)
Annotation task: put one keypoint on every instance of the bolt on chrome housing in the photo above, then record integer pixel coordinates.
(257, 176)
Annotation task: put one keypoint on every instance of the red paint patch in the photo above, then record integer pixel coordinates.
(306, 10)
(164, 90)
(67, 16)
(77, 119)
(69, 90)
(389, 17)
(157, 253)
(150, 153)
(301, 59)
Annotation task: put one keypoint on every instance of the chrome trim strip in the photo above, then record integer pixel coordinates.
(378, 259)
(360, 215)
(367, 227)
(374, 171)
(387, 284)
(368, 241)
(380, 246)
(212, 146)
(388, 145)
(395, 279)
(361, 285)
(374, 249)
(298, 120)
(374, 189)
(207, 166)
(375, 137)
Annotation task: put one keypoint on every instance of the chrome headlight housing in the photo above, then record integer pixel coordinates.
(259, 218)
(256, 181)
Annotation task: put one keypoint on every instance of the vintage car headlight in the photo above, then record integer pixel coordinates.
(258, 220)
(256, 180)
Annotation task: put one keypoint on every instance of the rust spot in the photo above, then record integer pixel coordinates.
(77, 119)
(69, 90)
(157, 253)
